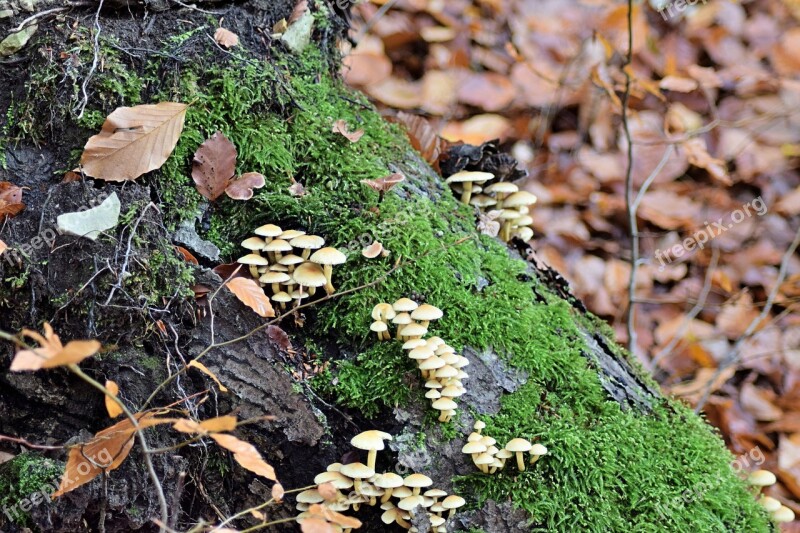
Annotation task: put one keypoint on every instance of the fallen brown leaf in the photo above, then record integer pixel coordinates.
(226, 38)
(214, 165)
(252, 295)
(246, 455)
(242, 187)
(51, 353)
(114, 410)
(341, 127)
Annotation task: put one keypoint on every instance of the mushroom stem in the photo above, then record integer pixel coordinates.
(425, 323)
(306, 253)
(387, 495)
(443, 416)
(417, 491)
(328, 271)
(520, 462)
(467, 193)
(254, 271)
(372, 456)
(357, 487)
(534, 458)
(311, 291)
(402, 523)
(276, 288)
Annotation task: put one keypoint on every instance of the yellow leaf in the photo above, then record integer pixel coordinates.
(212, 425)
(114, 410)
(51, 353)
(133, 141)
(246, 455)
(202, 368)
(252, 295)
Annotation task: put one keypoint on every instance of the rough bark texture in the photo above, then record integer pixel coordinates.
(74, 284)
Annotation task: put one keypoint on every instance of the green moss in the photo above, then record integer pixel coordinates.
(26, 474)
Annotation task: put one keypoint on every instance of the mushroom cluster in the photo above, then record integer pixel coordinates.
(510, 205)
(489, 459)
(440, 365)
(283, 262)
(777, 511)
(400, 498)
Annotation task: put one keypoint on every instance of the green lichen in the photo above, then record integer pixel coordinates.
(27, 475)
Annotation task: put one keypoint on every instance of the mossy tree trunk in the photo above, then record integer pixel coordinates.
(622, 457)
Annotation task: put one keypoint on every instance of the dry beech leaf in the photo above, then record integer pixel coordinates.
(187, 255)
(202, 368)
(10, 200)
(242, 187)
(328, 491)
(134, 141)
(246, 455)
(230, 270)
(299, 9)
(212, 425)
(678, 84)
(329, 515)
(108, 449)
(226, 38)
(316, 525)
(252, 295)
(114, 410)
(214, 165)
(51, 353)
(423, 136)
(3, 247)
(340, 126)
(278, 492)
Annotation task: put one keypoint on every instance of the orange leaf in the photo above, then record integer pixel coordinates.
(316, 525)
(278, 492)
(328, 491)
(51, 352)
(10, 200)
(212, 425)
(3, 247)
(202, 368)
(252, 295)
(340, 126)
(114, 410)
(187, 255)
(133, 141)
(107, 450)
(423, 137)
(226, 38)
(246, 455)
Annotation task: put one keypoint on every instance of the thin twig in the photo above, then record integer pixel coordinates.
(95, 61)
(24, 23)
(734, 355)
(629, 199)
(121, 277)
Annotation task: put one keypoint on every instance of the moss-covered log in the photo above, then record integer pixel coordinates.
(622, 457)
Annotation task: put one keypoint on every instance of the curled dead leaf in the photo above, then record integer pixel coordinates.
(341, 127)
(385, 184)
(278, 492)
(113, 408)
(202, 368)
(3, 247)
(214, 165)
(51, 353)
(246, 455)
(373, 250)
(10, 200)
(187, 255)
(242, 187)
(252, 295)
(297, 189)
(226, 38)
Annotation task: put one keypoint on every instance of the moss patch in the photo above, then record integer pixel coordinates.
(21, 477)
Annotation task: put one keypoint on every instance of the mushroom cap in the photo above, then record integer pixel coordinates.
(504, 454)
(328, 256)
(371, 490)
(310, 242)
(274, 277)
(446, 371)
(390, 516)
(310, 496)
(299, 294)
(254, 243)
(290, 234)
(484, 459)
(413, 343)
(467, 175)
(309, 275)
(334, 467)
(432, 363)
(449, 358)
(405, 305)
(337, 479)
(268, 230)
(524, 233)
(370, 440)
(410, 503)
(519, 199)
(453, 502)
(433, 384)
(518, 445)
(524, 220)
(444, 348)
(508, 214)
(402, 492)
(482, 200)
(473, 447)
(784, 514)
(402, 319)
(417, 481)
(538, 449)
(291, 259)
(382, 309)
(389, 480)
(414, 330)
(253, 259)
(427, 312)
(474, 437)
(462, 362)
(770, 504)
(435, 493)
(762, 478)
(278, 245)
(357, 471)
(479, 424)
(433, 394)
(436, 521)
(451, 391)
(278, 268)
(435, 342)
(281, 297)
(420, 353)
(486, 440)
(378, 326)
(444, 404)
(502, 187)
